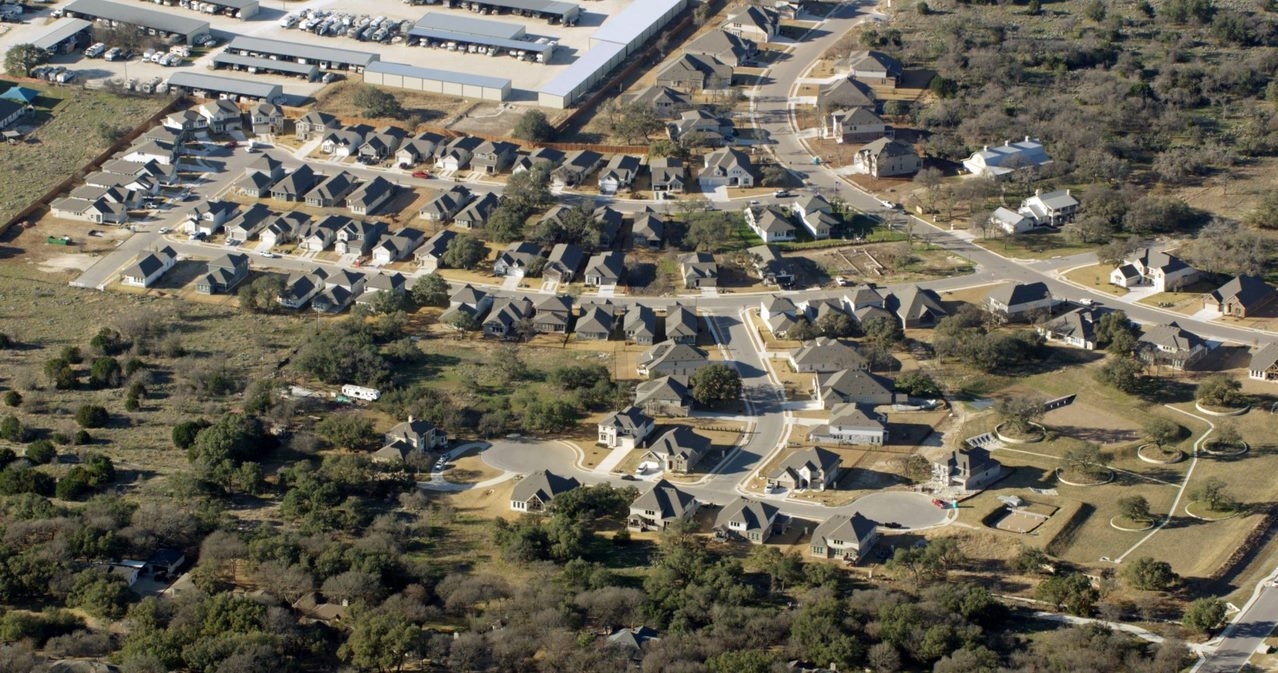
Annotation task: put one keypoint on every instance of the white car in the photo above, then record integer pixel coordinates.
(163, 230)
(268, 255)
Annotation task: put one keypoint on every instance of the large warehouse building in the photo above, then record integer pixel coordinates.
(327, 58)
(403, 76)
(622, 35)
(144, 19)
(551, 10)
(213, 86)
(64, 35)
(505, 39)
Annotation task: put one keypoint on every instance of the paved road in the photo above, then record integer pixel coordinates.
(1247, 632)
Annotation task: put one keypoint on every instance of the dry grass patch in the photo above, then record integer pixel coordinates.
(1096, 277)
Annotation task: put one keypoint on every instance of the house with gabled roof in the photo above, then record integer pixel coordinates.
(605, 268)
(315, 123)
(370, 196)
(221, 115)
(332, 191)
(852, 386)
(851, 424)
(380, 282)
(1011, 222)
(358, 236)
(863, 295)
(284, 228)
(341, 288)
(698, 270)
(856, 125)
(844, 537)
(476, 213)
(535, 492)
(564, 261)
(398, 245)
(517, 258)
(729, 48)
(553, 314)
(419, 149)
(420, 434)
(917, 307)
(1162, 270)
(381, 144)
(755, 23)
(320, 235)
(747, 519)
(1171, 346)
(493, 156)
(824, 354)
(664, 101)
(970, 470)
(255, 184)
(816, 215)
(814, 469)
(726, 167)
(248, 223)
(266, 119)
(667, 175)
(874, 67)
(507, 313)
(148, 268)
(618, 173)
(633, 641)
(1020, 302)
(1075, 328)
(661, 506)
(999, 162)
(98, 211)
(664, 396)
(1263, 366)
(1241, 297)
(457, 154)
(681, 325)
(625, 429)
(701, 127)
(887, 158)
(294, 186)
(346, 141)
(446, 205)
(671, 359)
(648, 231)
(300, 287)
(769, 223)
(468, 300)
(1050, 209)
(678, 450)
(769, 266)
(548, 158)
(596, 323)
(577, 166)
(845, 94)
(430, 254)
(695, 73)
(640, 325)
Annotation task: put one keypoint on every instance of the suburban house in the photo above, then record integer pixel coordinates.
(665, 396)
(346, 141)
(535, 492)
(553, 314)
(1170, 346)
(331, 192)
(681, 324)
(1075, 328)
(419, 434)
(294, 186)
(769, 223)
(863, 296)
(148, 268)
(98, 211)
(370, 196)
(854, 126)
(185, 122)
(678, 450)
(1020, 302)
(445, 206)
(1241, 297)
(430, 255)
(618, 173)
(664, 101)
(467, 300)
(648, 231)
(284, 228)
(547, 158)
(887, 158)
(845, 94)
(320, 235)
(223, 274)
(755, 23)
(852, 386)
(661, 506)
(747, 519)
(917, 307)
(160, 151)
(700, 127)
(1163, 271)
(1011, 221)
(300, 287)
(780, 314)
(457, 154)
(493, 156)
(816, 214)
(851, 424)
(824, 354)
(970, 470)
(633, 641)
(248, 223)
(266, 119)
(728, 48)
(577, 166)
(418, 150)
(848, 538)
(611, 222)
(357, 237)
(1001, 161)
(207, 217)
(340, 291)
(381, 144)
(812, 469)
(1050, 209)
(605, 269)
(378, 282)
(874, 68)
(506, 314)
(726, 167)
(667, 175)
(696, 73)
(221, 116)
(698, 270)
(315, 124)
(671, 359)
(396, 246)
(563, 263)
(596, 322)
(475, 215)
(1263, 367)
(625, 429)
(516, 258)
(640, 325)
(259, 176)
(769, 266)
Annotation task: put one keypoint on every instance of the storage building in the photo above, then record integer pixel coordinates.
(553, 11)
(256, 64)
(213, 86)
(327, 58)
(63, 36)
(147, 20)
(404, 76)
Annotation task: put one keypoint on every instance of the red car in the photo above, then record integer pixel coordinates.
(421, 175)
(939, 503)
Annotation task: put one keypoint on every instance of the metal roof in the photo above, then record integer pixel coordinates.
(470, 26)
(291, 67)
(561, 9)
(500, 43)
(139, 16)
(583, 69)
(234, 4)
(405, 70)
(196, 80)
(631, 23)
(300, 50)
(60, 30)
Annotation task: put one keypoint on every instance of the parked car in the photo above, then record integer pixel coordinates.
(268, 255)
(421, 175)
(96, 50)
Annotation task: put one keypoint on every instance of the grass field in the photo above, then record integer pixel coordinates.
(66, 136)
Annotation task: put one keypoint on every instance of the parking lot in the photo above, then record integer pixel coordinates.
(527, 76)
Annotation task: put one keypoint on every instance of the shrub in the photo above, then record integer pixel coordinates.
(12, 398)
(83, 437)
(11, 429)
(1220, 390)
(92, 416)
(41, 452)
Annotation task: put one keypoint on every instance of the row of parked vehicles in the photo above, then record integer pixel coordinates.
(361, 27)
(56, 74)
(208, 8)
(173, 57)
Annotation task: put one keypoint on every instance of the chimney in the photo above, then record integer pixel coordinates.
(1006, 143)
(1038, 191)
(1067, 191)
(985, 148)
(1027, 139)
(410, 418)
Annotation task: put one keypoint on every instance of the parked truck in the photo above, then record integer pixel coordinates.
(59, 240)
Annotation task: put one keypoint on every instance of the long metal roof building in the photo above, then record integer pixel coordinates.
(213, 85)
(404, 76)
(347, 58)
(464, 38)
(566, 12)
(139, 16)
(60, 31)
(575, 80)
(633, 25)
(307, 71)
(466, 25)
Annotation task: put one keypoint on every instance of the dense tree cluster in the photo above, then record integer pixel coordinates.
(968, 336)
